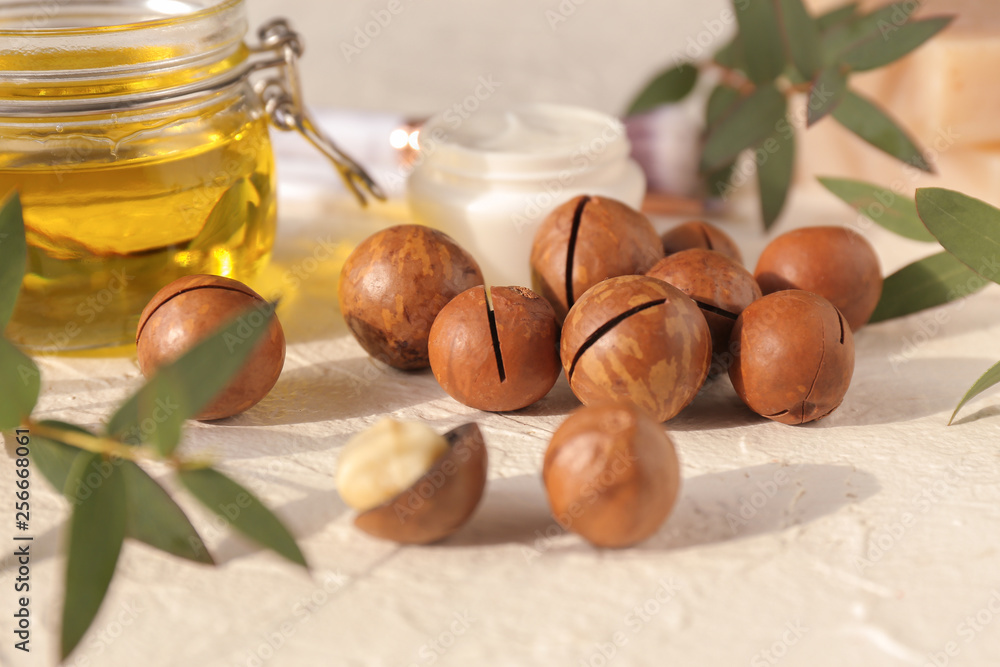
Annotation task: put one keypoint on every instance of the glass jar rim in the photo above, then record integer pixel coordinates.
(580, 139)
(167, 19)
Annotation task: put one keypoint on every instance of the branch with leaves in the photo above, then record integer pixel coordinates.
(780, 50)
(111, 496)
(969, 231)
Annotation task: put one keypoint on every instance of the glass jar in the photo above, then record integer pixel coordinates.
(141, 153)
(489, 178)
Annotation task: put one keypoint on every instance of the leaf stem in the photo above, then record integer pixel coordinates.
(92, 443)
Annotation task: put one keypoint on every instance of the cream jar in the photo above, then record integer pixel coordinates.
(489, 179)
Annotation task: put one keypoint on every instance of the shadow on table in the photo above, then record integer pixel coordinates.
(355, 387)
(713, 508)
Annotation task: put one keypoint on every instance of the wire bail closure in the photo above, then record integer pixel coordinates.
(281, 95)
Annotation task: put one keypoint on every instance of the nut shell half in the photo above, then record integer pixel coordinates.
(441, 500)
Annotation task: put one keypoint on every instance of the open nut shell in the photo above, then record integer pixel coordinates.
(438, 503)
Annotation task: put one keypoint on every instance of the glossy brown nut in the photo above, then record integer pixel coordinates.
(700, 234)
(837, 263)
(611, 474)
(637, 339)
(441, 500)
(189, 309)
(794, 357)
(720, 286)
(394, 284)
(585, 241)
(499, 363)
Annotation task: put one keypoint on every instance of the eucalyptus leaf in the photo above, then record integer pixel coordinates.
(987, 380)
(965, 226)
(721, 102)
(227, 217)
(844, 37)
(21, 384)
(881, 49)
(763, 46)
(13, 256)
(836, 16)
(892, 211)
(242, 510)
(53, 458)
(870, 123)
(750, 122)
(154, 518)
(669, 86)
(774, 174)
(802, 37)
(718, 181)
(96, 533)
(731, 55)
(929, 282)
(827, 91)
(180, 390)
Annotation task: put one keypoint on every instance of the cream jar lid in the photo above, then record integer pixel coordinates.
(522, 142)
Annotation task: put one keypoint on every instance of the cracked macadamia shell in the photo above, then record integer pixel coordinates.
(794, 357)
(611, 474)
(837, 263)
(464, 359)
(189, 309)
(637, 339)
(394, 284)
(441, 500)
(591, 239)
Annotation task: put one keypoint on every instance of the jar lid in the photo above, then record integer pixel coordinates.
(522, 142)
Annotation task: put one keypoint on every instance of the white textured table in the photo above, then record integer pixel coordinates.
(759, 564)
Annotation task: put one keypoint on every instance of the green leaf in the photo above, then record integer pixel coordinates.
(894, 212)
(242, 510)
(96, 532)
(763, 47)
(930, 282)
(872, 124)
(774, 174)
(828, 89)
(227, 217)
(722, 100)
(180, 390)
(154, 518)
(718, 181)
(54, 458)
(987, 380)
(752, 121)
(965, 226)
(881, 49)
(836, 16)
(21, 384)
(13, 256)
(842, 38)
(731, 55)
(802, 37)
(669, 86)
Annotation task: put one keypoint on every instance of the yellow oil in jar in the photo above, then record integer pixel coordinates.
(107, 228)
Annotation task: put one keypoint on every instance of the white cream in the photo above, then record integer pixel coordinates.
(489, 179)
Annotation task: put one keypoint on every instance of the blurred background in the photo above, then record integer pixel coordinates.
(593, 53)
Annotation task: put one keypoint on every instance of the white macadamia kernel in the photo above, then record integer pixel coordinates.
(378, 464)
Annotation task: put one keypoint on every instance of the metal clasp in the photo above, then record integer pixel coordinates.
(282, 98)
